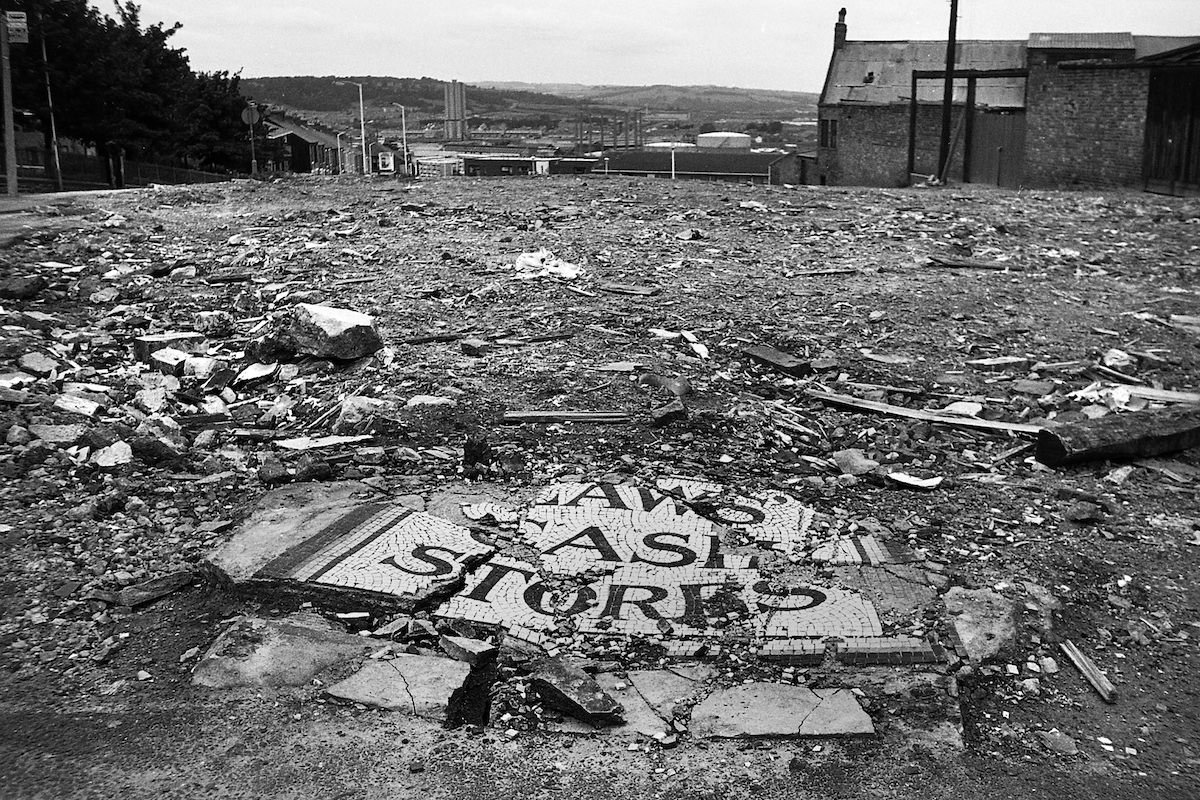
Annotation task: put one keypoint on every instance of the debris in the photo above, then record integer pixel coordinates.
(1059, 742)
(602, 417)
(543, 263)
(846, 401)
(680, 387)
(973, 263)
(309, 443)
(74, 404)
(1119, 436)
(568, 688)
(984, 621)
(115, 455)
(475, 347)
(998, 364)
(778, 360)
(155, 589)
(1098, 680)
(472, 651)
(324, 331)
(23, 287)
(914, 482)
(853, 462)
(628, 289)
(144, 346)
(673, 411)
(38, 364)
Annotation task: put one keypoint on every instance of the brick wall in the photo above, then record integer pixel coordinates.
(1085, 127)
(873, 145)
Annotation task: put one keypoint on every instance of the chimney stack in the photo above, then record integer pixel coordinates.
(839, 31)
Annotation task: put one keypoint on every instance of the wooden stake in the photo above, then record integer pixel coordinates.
(1102, 685)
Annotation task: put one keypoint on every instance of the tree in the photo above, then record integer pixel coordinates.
(119, 85)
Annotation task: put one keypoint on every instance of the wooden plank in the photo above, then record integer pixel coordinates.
(1099, 682)
(1121, 436)
(1164, 395)
(973, 263)
(846, 401)
(605, 417)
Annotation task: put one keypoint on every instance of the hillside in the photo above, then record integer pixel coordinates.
(423, 96)
(718, 100)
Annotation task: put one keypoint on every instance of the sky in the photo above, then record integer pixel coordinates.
(767, 44)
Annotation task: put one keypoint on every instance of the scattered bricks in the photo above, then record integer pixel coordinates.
(38, 364)
(778, 360)
(472, 651)
(144, 346)
(169, 361)
(475, 347)
(794, 652)
(74, 404)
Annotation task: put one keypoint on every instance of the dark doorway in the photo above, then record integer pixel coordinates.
(1173, 132)
(997, 148)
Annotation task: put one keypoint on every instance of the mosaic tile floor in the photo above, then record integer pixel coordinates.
(630, 560)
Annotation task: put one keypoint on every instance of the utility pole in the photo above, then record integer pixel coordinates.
(58, 179)
(10, 131)
(948, 95)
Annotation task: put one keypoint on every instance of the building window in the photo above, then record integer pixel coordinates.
(828, 133)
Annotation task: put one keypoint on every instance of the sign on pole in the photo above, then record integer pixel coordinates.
(18, 27)
(250, 115)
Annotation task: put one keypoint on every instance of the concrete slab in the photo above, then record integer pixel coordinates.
(419, 685)
(276, 652)
(984, 621)
(639, 716)
(772, 709)
(664, 690)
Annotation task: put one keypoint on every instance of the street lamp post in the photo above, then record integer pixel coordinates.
(341, 166)
(362, 124)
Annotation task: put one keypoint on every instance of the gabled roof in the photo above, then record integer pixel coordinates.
(1167, 49)
(694, 162)
(282, 126)
(1081, 41)
(881, 72)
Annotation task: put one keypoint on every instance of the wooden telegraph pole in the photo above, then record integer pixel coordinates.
(14, 30)
(948, 95)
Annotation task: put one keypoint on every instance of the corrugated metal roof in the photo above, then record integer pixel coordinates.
(889, 67)
(1081, 41)
(694, 162)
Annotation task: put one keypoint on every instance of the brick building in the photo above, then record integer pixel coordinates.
(1052, 110)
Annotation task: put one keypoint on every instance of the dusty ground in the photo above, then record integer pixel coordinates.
(433, 262)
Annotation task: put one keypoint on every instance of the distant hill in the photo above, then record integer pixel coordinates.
(324, 97)
(716, 100)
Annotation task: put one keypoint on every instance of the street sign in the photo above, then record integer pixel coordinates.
(18, 27)
(250, 115)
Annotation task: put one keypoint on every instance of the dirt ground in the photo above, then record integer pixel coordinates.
(1100, 291)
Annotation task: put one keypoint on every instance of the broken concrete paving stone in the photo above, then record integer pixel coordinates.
(571, 690)
(38, 364)
(674, 411)
(289, 651)
(471, 651)
(415, 684)
(115, 455)
(772, 709)
(984, 621)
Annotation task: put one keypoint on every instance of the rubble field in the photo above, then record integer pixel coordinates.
(600, 487)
